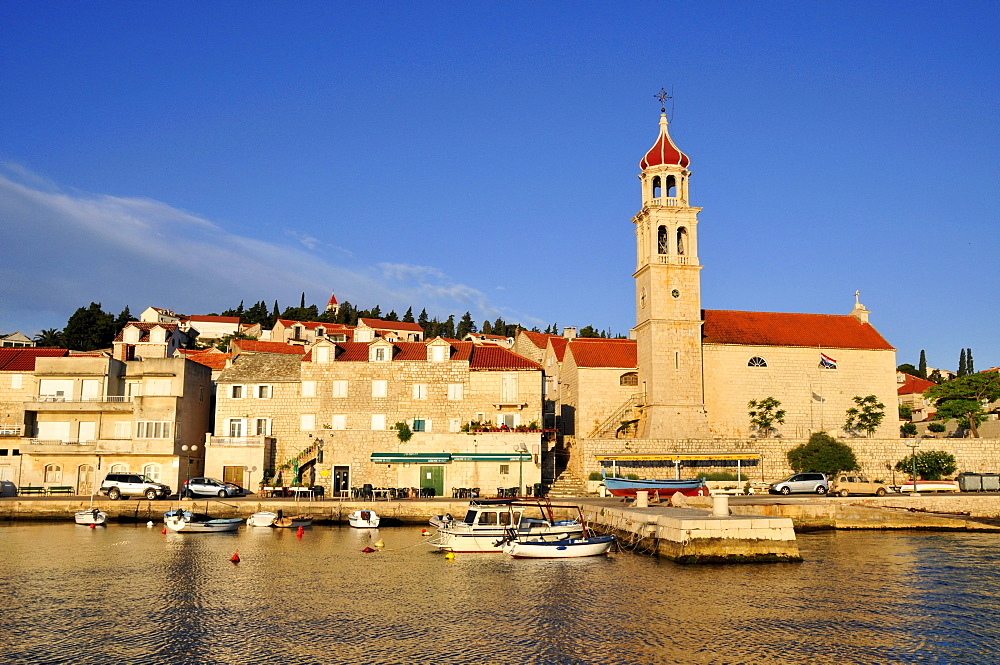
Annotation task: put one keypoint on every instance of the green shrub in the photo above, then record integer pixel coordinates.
(595, 475)
(937, 428)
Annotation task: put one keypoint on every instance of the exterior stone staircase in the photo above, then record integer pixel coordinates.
(567, 485)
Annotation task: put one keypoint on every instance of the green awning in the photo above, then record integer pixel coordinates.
(491, 457)
(411, 458)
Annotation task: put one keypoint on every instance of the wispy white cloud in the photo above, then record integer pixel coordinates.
(65, 249)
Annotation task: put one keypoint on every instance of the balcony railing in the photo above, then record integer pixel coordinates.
(676, 260)
(668, 201)
(99, 398)
(61, 442)
(11, 430)
(236, 440)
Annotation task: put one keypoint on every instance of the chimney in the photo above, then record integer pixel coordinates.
(569, 332)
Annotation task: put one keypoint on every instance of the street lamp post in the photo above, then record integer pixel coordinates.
(187, 466)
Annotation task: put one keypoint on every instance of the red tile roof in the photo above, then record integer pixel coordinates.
(829, 331)
(595, 353)
(491, 357)
(913, 384)
(664, 151)
(391, 325)
(23, 360)
(559, 347)
(537, 338)
(257, 346)
(212, 360)
(332, 300)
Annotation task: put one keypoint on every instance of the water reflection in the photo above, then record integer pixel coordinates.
(132, 594)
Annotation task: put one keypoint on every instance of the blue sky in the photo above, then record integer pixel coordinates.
(483, 157)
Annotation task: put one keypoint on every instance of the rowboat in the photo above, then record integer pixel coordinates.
(487, 523)
(559, 549)
(181, 523)
(90, 516)
(662, 488)
(292, 522)
(363, 519)
(262, 518)
(931, 486)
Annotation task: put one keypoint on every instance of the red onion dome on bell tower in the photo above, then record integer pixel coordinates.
(664, 152)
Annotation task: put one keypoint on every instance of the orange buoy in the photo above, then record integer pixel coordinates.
(164, 530)
(93, 526)
(235, 558)
(424, 532)
(368, 550)
(298, 534)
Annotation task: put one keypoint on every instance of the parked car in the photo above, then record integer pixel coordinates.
(124, 485)
(802, 483)
(845, 484)
(209, 487)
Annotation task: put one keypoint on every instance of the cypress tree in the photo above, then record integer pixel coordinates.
(963, 368)
(302, 303)
(970, 368)
(923, 365)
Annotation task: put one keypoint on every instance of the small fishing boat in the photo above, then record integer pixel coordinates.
(931, 486)
(185, 522)
(363, 519)
(661, 488)
(559, 549)
(94, 516)
(262, 518)
(292, 522)
(487, 523)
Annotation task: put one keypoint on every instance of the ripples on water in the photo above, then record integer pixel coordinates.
(126, 594)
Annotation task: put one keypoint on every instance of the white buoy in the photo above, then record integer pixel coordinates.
(149, 524)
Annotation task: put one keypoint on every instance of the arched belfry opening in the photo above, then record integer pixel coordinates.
(682, 241)
(670, 188)
(657, 188)
(662, 244)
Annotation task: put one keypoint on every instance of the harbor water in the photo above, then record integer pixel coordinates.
(131, 594)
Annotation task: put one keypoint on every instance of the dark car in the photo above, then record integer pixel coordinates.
(209, 487)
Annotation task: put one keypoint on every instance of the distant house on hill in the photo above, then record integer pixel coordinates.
(159, 315)
(210, 329)
(139, 340)
(368, 330)
(305, 333)
(910, 392)
(15, 340)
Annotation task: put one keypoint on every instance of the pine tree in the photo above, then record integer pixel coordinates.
(392, 316)
(923, 365)
(963, 368)
(408, 317)
(274, 314)
(448, 328)
(487, 328)
(423, 322)
(123, 318)
(89, 329)
(970, 367)
(465, 326)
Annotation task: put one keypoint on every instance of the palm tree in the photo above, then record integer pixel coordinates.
(49, 338)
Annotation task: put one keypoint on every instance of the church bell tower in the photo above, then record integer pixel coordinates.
(668, 297)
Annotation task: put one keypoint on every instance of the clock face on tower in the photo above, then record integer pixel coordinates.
(642, 297)
(675, 293)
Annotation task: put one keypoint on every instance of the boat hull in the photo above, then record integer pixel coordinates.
(181, 525)
(293, 522)
(364, 519)
(931, 486)
(623, 487)
(92, 516)
(560, 549)
(263, 518)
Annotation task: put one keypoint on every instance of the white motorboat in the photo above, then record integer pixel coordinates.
(262, 518)
(363, 519)
(180, 522)
(94, 516)
(488, 523)
(558, 549)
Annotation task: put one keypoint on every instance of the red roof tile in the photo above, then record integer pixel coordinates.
(559, 347)
(594, 353)
(913, 384)
(830, 331)
(664, 151)
(214, 319)
(213, 360)
(391, 325)
(144, 328)
(491, 357)
(537, 338)
(257, 346)
(23, 360)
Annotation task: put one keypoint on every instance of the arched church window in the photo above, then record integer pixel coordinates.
(662, 245)
(629, 379)
(671, 186)
(756, 361)
(681, 241)
(656, 187)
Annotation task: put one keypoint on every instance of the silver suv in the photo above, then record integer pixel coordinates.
(802, 483)
(118, 485)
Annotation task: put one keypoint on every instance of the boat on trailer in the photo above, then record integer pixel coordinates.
(931, 486)
(661, 488)
(489, 522)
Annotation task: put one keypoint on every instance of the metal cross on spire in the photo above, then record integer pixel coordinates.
(663, 96)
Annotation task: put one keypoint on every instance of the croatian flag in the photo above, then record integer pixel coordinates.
(827, 362)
